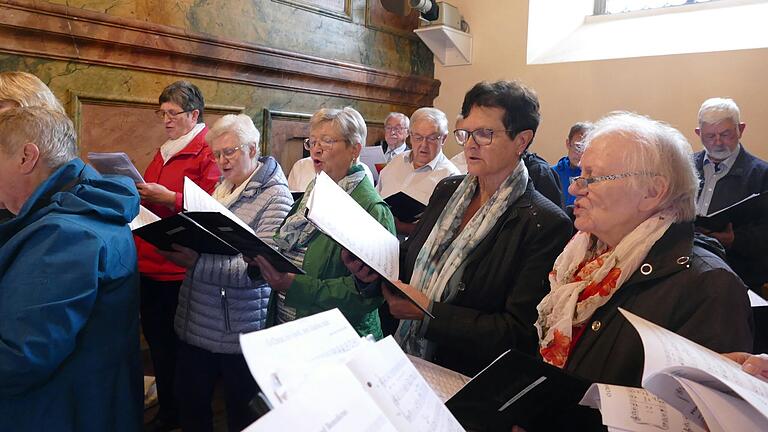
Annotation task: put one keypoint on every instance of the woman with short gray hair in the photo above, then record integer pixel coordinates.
(218, 300)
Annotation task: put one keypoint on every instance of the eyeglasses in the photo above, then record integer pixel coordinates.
(395, 129)
(161, 114)
(431, 139)
(583, 182)
(482, 136)
(228, 153)
(325, 144)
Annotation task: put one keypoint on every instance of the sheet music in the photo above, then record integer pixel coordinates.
(145, 217)
(333, 401)
(115, 163)
(669, 353)
(636, 409)
(402, 394)
(281, 358)
(755, 300)
(372, 155)
(340, 217)
(444, 382)
(198, 200)
(723, 412)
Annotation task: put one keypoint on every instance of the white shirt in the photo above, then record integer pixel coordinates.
(393, 152)
(303, 172)
(400, 175)
(460, 160)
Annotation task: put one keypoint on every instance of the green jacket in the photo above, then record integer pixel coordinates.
(327, 283)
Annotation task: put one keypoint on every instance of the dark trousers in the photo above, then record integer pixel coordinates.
(197, 371)
(158, 309)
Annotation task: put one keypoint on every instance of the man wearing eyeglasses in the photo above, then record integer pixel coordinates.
(729, 174)
(395, 132)
(416, 172)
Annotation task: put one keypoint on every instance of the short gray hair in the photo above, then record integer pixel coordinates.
(400, 116)
(662, 150)
(434, 115)
(239, 125)
(715, 110)
(52, 131)
(27, 90)
(347, 120)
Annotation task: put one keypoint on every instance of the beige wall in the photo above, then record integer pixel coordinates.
(668, 88)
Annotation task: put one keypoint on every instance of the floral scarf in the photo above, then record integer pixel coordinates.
(445, 250)
(585, 276)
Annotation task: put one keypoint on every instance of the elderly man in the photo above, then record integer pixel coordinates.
(395, 132)
(417, 171)
(69, 321)
(568, 166)
(729, 174)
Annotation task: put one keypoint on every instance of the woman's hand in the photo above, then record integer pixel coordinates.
(157, 194)
(753, 364)
(359, 270)
(180, 255)
(277, 280)
(402, 308)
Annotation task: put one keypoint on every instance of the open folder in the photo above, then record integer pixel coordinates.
(405, 207)
(115, 163)
(740, 213)
(206, 226)
(342, 219)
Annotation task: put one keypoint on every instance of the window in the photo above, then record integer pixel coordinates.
(606, 7)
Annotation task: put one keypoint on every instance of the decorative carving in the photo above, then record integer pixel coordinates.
(341, 9)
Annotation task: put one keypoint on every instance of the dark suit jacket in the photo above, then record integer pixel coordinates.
(505, 279)
(689, 291)
(748, 255)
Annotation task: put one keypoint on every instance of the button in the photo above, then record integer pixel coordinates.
(596, 325)
(646, 269)
(462, 286)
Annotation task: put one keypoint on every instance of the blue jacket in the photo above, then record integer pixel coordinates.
(565, 171)
(69, 331)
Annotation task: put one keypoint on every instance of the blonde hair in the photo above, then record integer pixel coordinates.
(28, 91)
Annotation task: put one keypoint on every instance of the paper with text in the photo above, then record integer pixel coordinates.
(723, 412)
(444, 382)
(145, 217)
(198, 200)
(115, 163)
(399, 390)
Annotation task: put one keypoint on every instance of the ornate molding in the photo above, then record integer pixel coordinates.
(39, 29)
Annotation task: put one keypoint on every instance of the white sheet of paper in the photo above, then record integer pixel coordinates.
(198, 200)
(403, 395)
(145, 217)
(332, 401)
(372, 155)
(755, 300)
(444, 382)
(723, 412)
(340, 217)
(282, 357)
(669, 353)
(115, 163)
(636, 409)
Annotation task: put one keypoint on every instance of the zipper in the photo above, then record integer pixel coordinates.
(225, 309)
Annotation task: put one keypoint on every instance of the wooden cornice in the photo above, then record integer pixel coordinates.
(41, 29)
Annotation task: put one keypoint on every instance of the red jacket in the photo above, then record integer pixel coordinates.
(193, 161)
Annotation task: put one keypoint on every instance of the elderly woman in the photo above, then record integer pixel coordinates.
(218, 300)
(417, 171)
(479, 257)
(335, 139)
(184, 154)
(21, 89)
(634, 210)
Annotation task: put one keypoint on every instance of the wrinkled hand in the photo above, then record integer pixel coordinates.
(753, 364)
(358, 268)
(277, 280)
(157, 194)
(402, 308)
(180, 255)
(725, 237)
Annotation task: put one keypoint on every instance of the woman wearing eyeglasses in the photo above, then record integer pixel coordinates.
(185, 153)
(335, 139)
(218, 300)
(479, 257)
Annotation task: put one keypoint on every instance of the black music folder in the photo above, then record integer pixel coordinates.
(517, 389)
(213, 233)
(749, 209)
(405, 207)
(297, 195)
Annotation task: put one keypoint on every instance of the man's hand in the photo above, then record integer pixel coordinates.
(180, 255)
(157, 194)
(359, 270)
(402, 308)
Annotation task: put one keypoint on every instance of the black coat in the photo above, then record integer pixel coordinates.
(688, 290)
(505, 279)
(748, 255)
(545, 179)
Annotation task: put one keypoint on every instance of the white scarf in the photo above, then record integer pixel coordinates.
(173, 146)
(587, 266)
(227, 194)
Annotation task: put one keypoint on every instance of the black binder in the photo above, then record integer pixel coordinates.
(517, 389)
(213, 233)
(405, 207)
(749, 209)
(297, 195)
